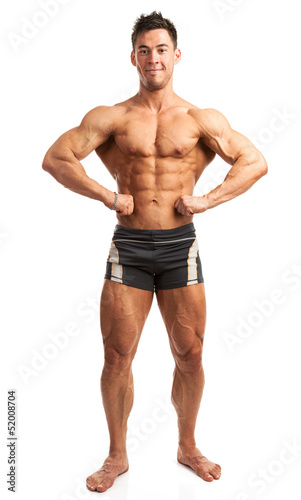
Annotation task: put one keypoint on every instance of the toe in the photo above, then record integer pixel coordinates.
(208, 477)
(103, 486)
(216, 472)
(90, 486)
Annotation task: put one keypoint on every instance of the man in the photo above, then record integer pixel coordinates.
(156, 146)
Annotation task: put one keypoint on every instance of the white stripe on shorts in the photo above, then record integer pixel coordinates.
(192, 268)
(116, 270)
(156, 242)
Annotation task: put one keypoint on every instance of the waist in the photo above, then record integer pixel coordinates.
(180, 233)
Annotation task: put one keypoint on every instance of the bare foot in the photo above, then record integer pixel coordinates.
(201, 465)
(112, 467)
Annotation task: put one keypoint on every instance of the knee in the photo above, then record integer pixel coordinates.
(117, 361)
(191, 360)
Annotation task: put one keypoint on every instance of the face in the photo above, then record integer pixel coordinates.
(155, 58)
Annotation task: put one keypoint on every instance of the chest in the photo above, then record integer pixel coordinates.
(174, 136)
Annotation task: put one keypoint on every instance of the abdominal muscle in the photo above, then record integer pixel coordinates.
(150, 213)
(155, 184)
(154, 199)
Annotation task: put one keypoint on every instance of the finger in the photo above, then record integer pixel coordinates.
(179, 207)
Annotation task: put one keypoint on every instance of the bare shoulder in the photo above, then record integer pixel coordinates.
(210, 120)
(102, 116)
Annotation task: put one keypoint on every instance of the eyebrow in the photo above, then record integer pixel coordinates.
(146, 47)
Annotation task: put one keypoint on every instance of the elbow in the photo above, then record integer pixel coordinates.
(47, 165)
(257, 163)
(54, 170)
(51, 165)
(260, 165)
(263, 166)
(59, 168)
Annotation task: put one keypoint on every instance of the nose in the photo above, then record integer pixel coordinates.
(153, 57)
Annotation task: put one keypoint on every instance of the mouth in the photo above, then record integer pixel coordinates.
(153, 70)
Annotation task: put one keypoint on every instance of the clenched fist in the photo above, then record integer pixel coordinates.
(124, 205)
(189, 205)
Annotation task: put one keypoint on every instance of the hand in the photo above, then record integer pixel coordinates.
(189, 205)
(124, 205)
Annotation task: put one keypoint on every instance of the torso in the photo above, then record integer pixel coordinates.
(156, 158)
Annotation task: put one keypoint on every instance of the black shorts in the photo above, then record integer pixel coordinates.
(154, 259)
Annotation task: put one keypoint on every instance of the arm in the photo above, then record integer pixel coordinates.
(248, 164)
(62, 160)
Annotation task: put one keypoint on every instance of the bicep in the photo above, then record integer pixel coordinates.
(95, 128)
(222, 139)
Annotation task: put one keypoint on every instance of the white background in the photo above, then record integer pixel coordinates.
(242, 58)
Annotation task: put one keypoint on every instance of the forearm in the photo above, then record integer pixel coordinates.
(243, 174)
(72, 175)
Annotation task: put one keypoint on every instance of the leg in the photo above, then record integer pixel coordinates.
(123, 311)
(184, 313)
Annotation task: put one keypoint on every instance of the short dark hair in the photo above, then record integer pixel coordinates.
(153, 21)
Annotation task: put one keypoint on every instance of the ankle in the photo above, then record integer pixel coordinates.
(187, 444)
(117, 453)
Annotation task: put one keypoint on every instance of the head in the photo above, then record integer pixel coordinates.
(155, 51)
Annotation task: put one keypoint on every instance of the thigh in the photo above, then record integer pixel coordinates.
(123, 311)
(184, 313)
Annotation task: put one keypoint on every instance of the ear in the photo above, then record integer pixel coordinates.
(133, 58)
(177, 56)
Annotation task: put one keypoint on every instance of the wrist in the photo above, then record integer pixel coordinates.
(204, 203)
(108, 198)
(115, 201)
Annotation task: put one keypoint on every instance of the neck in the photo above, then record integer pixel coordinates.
(157, 100)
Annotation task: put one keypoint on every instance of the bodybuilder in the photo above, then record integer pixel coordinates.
(155, 145)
